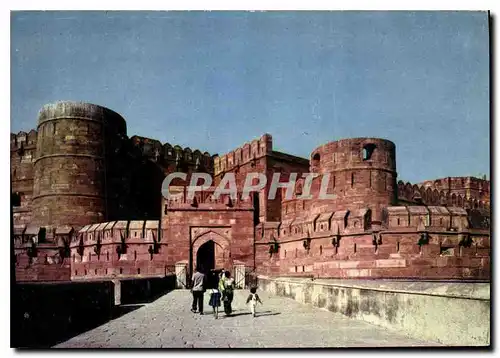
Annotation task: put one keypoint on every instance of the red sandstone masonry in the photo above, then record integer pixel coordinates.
(375, 239)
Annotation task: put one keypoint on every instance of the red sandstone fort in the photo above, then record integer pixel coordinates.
(87, 204)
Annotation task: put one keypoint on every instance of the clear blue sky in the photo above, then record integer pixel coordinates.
(212, 81)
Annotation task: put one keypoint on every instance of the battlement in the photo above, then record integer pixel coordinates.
(205, 200)
(304, 222)
(118, 249)
(115, 232)
(431, 194)
(22, 153)
(468, 187)
(249, 151)
(457, 183)
(23, 140)
(426, 217)
(167, 152)
(413, 242)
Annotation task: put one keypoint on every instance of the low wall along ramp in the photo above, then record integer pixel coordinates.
(456, 314)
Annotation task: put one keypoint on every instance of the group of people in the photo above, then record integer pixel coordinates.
(223, 292)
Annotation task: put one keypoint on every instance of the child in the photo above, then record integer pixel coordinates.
(215, 301)
(253, 298)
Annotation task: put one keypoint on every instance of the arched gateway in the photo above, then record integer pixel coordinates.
(210, 251)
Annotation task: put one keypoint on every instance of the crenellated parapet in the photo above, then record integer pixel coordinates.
(23, 140)
(440, 196)
(118, 248)
(22, 155)
(426, 217)
(115, 232)
(206, 200)
(471, 188)
(42, 255)
(416, 242)
(416, 218)
(173, 154)
(247, 153)
(310, 224)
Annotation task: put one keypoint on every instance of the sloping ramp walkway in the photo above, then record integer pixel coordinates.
(280, 323)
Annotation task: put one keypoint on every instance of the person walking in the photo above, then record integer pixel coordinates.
(198, 288)
(228, 293)
(215, 301)
(221, 278)
(253, 298)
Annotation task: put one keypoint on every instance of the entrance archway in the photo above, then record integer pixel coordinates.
(210, 252)
(205, 257)
(221, 248)
(205, 262)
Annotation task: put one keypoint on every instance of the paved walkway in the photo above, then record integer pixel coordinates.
(281, 323)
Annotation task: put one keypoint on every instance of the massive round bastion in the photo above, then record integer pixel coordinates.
(73, 145)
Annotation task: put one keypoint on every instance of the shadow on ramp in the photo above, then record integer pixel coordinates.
(258, 314)
(141, 291)
(47, 314)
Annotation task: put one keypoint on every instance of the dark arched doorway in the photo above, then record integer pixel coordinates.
(205, 258)
(205, 262)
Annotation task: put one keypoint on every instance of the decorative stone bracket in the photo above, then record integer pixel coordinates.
(32, 250)
(377, 239)
(121, 249)
(64, 249)
(97, 247)
(424, 239)
(274, 246)
(81, 248)
(465, 240)
(336, 241)
(154, 249)
(307, 244)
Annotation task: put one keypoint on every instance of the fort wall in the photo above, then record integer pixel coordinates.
(413, 242)
(87, 204)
